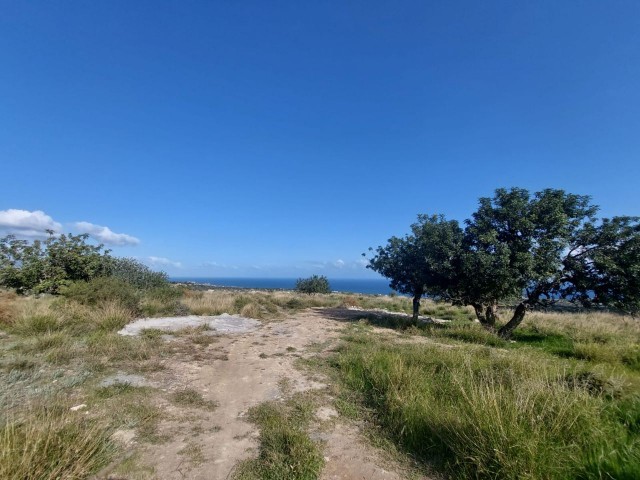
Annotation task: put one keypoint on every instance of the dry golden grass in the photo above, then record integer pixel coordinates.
(7, 306)
(50, 442)
(586, 326)
(209, 303)
(111, 316)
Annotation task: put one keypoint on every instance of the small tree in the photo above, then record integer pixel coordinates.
(423, 262)
(313, 284)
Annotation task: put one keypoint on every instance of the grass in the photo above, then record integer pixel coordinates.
(560, 401)
(189, 397)
(486, 412)
(49, 442)
(51, 349)
(286, 452)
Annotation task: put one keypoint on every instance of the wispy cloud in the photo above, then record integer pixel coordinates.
(27, 224)
(163, 261)
(105, 234)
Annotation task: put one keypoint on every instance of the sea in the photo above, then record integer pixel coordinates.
(369, 286)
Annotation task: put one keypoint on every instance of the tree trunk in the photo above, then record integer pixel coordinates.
(480, 313)
(491, 314)
(487, 316)
(416, 307)
(518, 316)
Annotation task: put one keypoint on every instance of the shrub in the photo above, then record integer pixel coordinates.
(46, 266)
(135, 273)
(314, 284)
(104, 290)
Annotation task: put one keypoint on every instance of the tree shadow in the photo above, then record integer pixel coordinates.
(390, 320)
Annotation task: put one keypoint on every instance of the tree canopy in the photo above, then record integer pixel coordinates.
(422, 262)
(522, 248)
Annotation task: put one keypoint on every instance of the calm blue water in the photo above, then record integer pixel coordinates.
(369, 286)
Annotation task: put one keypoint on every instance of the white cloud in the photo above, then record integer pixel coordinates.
(105, 235)
(338, 263)
(26, 223)
(163, 261)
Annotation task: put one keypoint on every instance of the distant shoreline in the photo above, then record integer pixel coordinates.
(353, 286)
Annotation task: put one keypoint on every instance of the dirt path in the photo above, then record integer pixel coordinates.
(239, 372)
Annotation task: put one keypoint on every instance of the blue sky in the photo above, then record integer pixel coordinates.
(285, 138)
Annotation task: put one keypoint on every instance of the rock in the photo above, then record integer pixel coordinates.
(78, 407)
(125, 378)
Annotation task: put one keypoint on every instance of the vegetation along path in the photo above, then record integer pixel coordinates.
(222, 378)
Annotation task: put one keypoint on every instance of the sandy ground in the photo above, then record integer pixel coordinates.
(242, 370)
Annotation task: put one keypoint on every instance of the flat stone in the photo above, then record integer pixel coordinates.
(326, 413)
(224, 323)
(125, 378)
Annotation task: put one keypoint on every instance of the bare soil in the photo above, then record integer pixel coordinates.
(239, 371)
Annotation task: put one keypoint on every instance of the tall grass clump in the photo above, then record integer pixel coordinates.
(50, 443)
(488, 414)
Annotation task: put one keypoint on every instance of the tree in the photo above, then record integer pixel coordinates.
(423, 262)
(313, 284)
(45, 266)
(514, 248)
(528, 250)
(603, 265)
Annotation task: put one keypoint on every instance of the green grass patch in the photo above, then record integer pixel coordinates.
(478, 412)
(286, 451)
(189, 397)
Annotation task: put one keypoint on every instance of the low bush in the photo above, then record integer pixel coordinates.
(104, 290)
(133, 272)
(313, 284)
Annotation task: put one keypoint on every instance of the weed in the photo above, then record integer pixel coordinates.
(189, 397)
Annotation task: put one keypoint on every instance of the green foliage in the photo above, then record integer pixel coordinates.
(422, 262)
(134, 273)
(102, 290)
(523, 248)
(603, 266)
(46, 266)
(313, 284)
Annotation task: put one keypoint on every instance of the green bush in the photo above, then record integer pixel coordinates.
(314, 284)
(103, 290)
(133, 272)
(46, 266)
